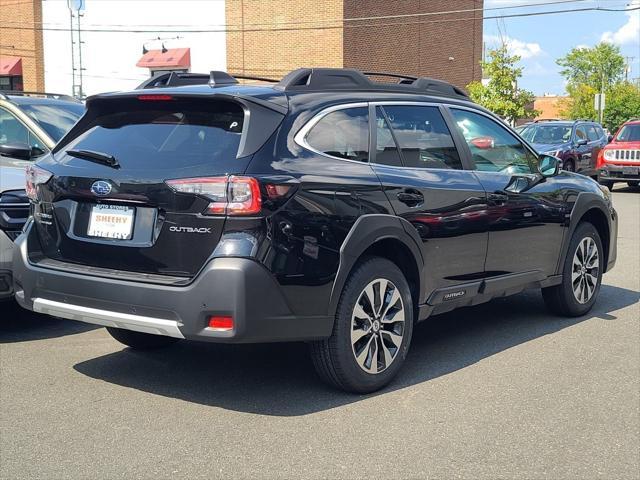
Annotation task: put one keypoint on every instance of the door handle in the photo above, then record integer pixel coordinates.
(411, 198)
(497, 198)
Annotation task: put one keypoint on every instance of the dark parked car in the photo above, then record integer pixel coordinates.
(30, 125)
(576, 143)
(326, 208)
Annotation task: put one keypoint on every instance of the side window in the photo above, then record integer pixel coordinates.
(12, 132)
(423, 137)
(386, 148)
(580, 133)
(592, 133)
(342, 134)
(493, 148)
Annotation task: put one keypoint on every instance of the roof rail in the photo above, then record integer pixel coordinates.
(349, 79)
(214, 78)
(313, 79)
(55, 96)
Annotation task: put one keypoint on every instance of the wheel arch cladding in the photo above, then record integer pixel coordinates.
(385, 236)
(589, 207)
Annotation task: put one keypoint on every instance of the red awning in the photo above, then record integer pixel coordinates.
(10, 66)
(172, 58)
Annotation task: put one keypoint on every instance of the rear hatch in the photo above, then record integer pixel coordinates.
(116, 199)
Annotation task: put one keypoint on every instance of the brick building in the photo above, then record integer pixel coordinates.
(310, 33)
(21, 48)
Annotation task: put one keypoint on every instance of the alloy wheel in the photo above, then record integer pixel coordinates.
(585, 270)
(377, 326)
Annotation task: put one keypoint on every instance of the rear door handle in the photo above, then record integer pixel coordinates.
(411, 198)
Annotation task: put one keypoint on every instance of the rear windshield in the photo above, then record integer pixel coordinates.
(629, 133)
(170, 134)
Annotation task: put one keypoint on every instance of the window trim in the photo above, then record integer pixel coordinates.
(300, 138)
(497, 120)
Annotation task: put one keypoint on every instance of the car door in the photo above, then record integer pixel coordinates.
(596, 142)
(583, 148)
(525, 218)
(423, 176)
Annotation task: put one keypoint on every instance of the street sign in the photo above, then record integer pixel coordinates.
(599, 102)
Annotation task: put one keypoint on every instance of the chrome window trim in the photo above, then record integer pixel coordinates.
(300, 138)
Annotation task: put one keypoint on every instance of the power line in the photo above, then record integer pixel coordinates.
(223, 30)
(339, 20)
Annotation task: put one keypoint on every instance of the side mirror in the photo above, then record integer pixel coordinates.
(21, 151)
(549, 166)
(581, 142)
(609, 138)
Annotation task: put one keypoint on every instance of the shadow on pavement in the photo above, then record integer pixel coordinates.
(20, 325)
(279, 379)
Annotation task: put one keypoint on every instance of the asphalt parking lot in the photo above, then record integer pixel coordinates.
(502, 390)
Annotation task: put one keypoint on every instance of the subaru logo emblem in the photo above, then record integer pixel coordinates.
(101, 188)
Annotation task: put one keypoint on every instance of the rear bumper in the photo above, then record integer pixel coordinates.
(236, 287)
(609, 173)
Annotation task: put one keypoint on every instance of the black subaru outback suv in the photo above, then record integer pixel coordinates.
(326, 208)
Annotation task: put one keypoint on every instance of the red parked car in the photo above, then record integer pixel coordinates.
(620, 160)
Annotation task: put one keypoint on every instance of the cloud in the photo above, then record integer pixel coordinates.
(630, 31)
(515, 46)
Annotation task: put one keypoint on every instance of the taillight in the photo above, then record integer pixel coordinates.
(35, 176)
(228, 195)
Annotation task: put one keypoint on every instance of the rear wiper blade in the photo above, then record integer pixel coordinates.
(97, 157)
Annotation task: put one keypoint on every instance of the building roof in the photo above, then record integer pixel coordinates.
(10, 65)
(172, 58)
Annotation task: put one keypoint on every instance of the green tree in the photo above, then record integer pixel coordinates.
(622, 103)
(501, 94)
(599, 67)
(580, 103)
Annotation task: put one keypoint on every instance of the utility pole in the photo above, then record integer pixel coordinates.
(76, 47)
(627, 67)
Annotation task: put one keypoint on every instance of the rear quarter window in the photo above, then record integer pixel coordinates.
(342, 134)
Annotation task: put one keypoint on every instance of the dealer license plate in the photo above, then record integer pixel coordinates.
(111, 221)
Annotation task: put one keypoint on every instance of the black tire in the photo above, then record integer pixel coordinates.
(633, 184)
(139, 340)
(335, 357)
(561, 299)
(569, 165)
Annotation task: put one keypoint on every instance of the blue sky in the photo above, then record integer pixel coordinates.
(540, 40)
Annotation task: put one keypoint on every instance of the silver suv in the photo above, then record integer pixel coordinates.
(30, 125)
